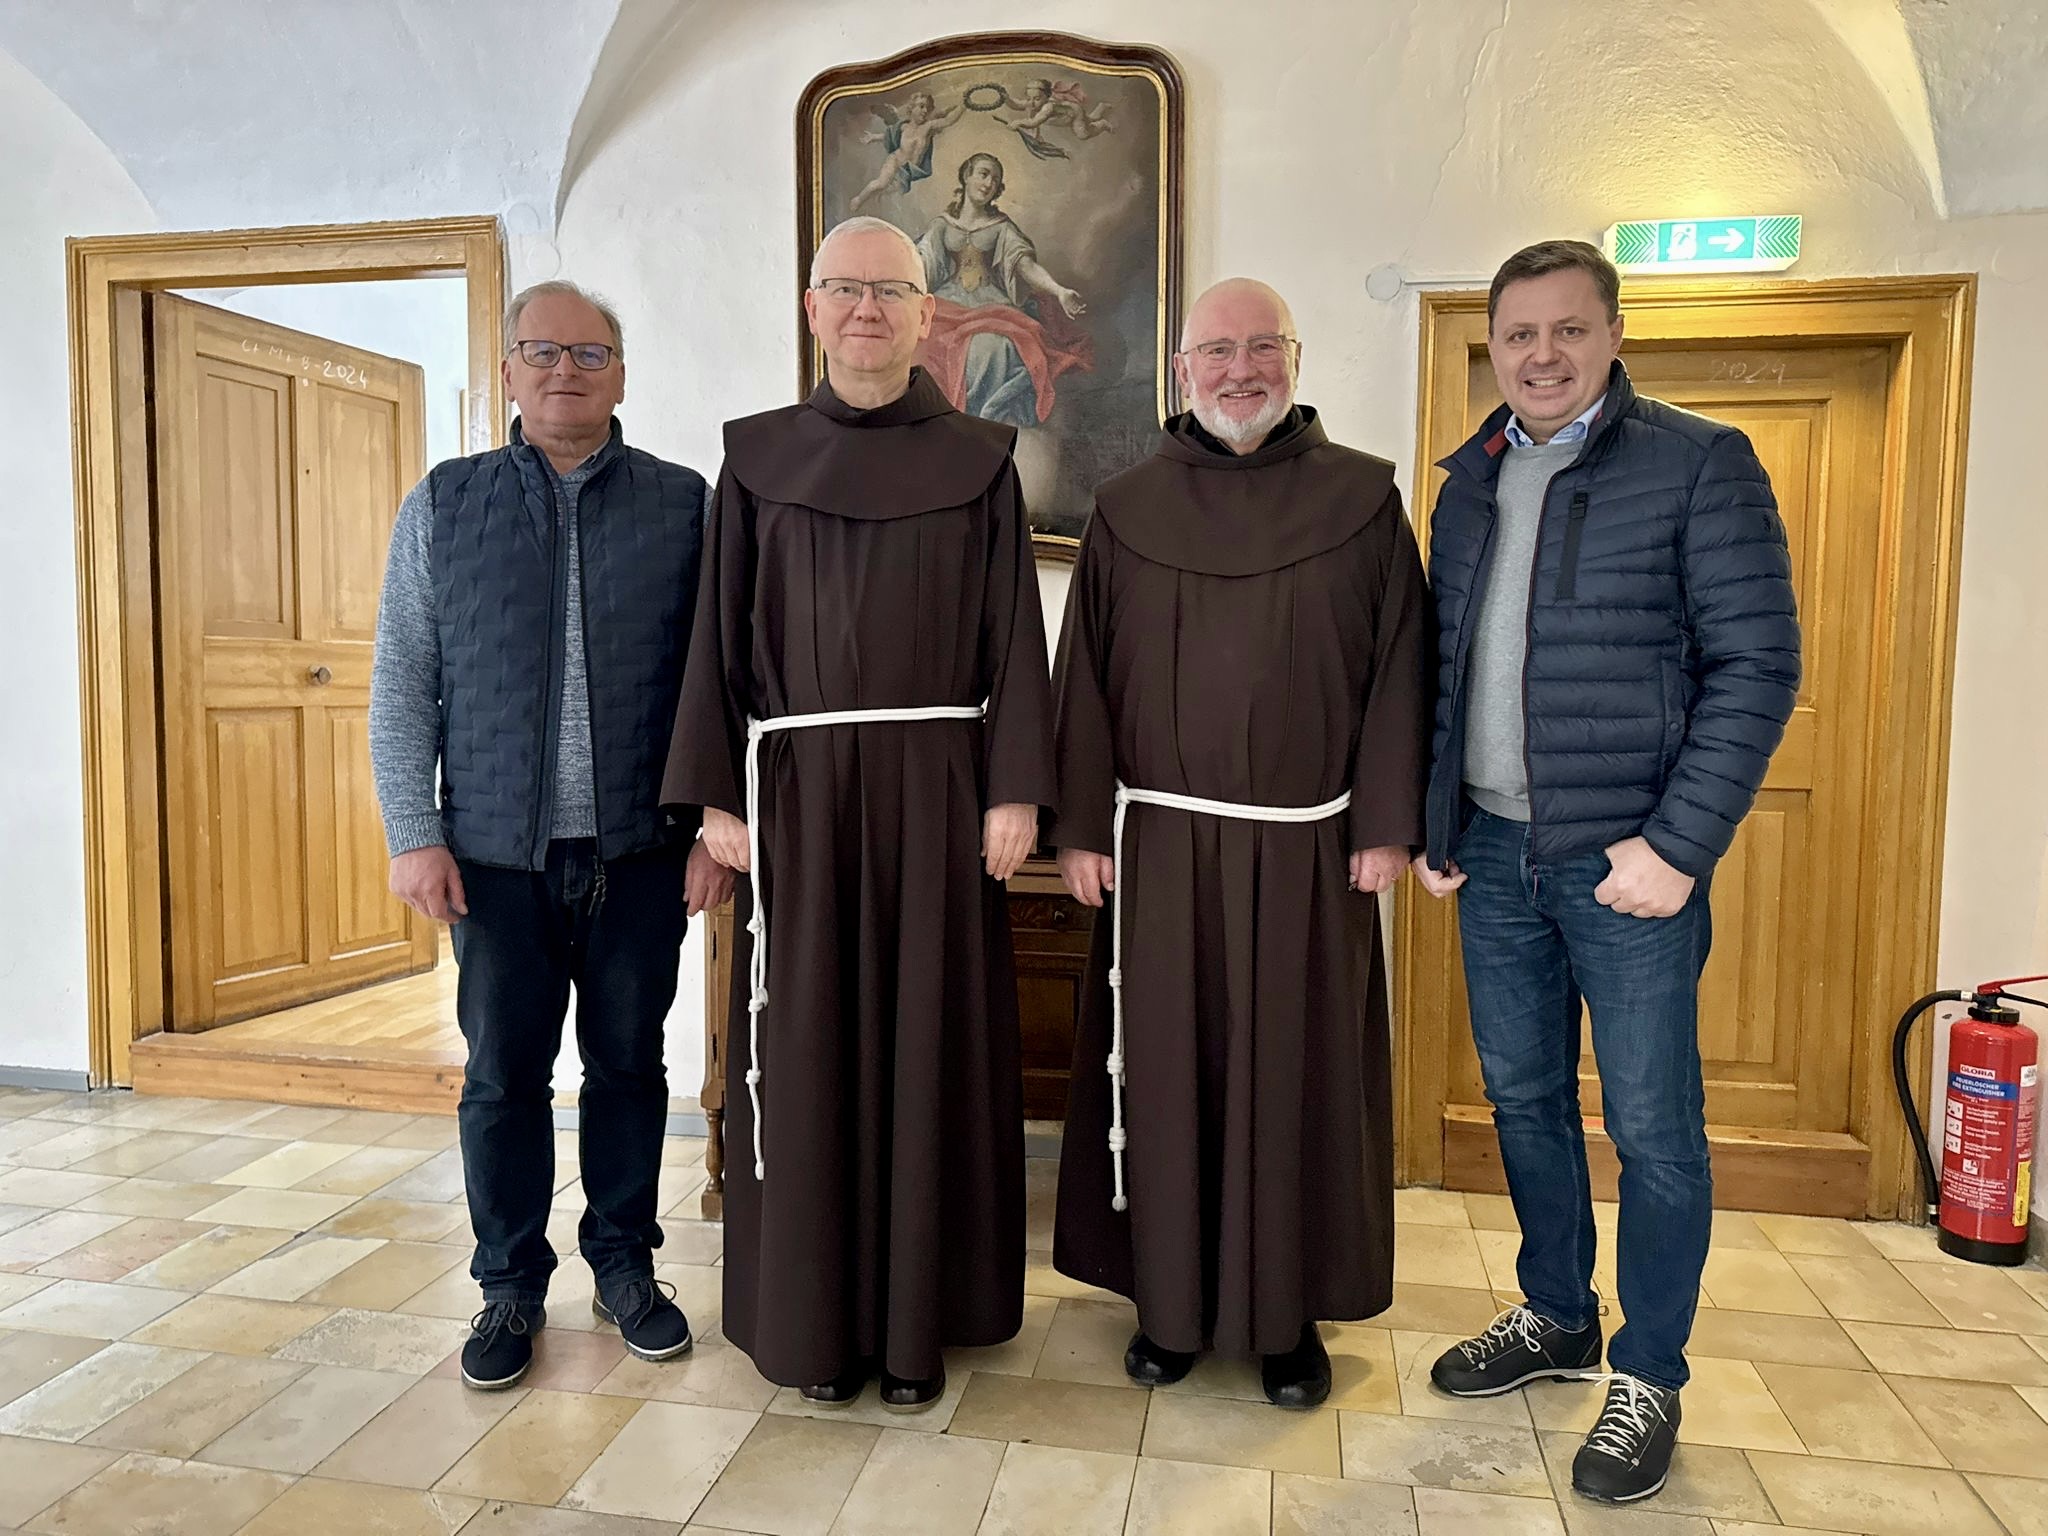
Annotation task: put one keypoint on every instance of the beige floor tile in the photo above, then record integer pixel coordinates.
(567, 1361)
(2021, 1502)
(536, 1453)
(455, 1295)
(1492, 1213)
(292, 1122)
(52, 1234)
(293, 1270)
(215, 1117)
(1896, 1240)
(1340, 1506)
(499, 1518)
(2033, 1281)
(416, 1440)
(317, 1507)
(1041, 1279)
(27, 1360)
(1443, 1512)
(293, 1209)
(1221, 1432)
(713, 1375)
(35, 1474)
(437, 1181)
(789, 1478)
(12, 1216)
(1052, 1413)
(387, 1275)
(143, 1154)
(162, 1498)
(205, 1164)
(151, 1197)
(661, 1465)
(208, 1259)
(1087, 1342)
(1849, 1413)
(788, 1402)
(700, 1292)
(1018, 1357)
(1237, 1376)
(1870, 1499)
(1825, 1235)
(1414, 1354)
(1424, 1207)
(1585, 1517)
(408, 1221)
(1173, 1498)
(1461, 1310)
(1977, 1297)
(1706, 1481)
(1949, 1353)
(1046, 1491)
(51, 1188)
(1437, 1256)
(1739, 1229)
(92, 1308)
(308, 1421)
(123, 1250)
(378, 1341)
(71, 1406)
(234, 1325)
(35, 1147)
(15, 1288)
(1865, 1290)
(1759, 1336)
(936, 1485)
(1978, 1426)
(1498, 1251)
(1754, 1280)
(692, 1242)
(362, 1171)
(429, 1133)
(283, 1167)
(680, 1188)
(1443, 1453)
(201, 1404)
(1728, 1404)
(1568, 1406)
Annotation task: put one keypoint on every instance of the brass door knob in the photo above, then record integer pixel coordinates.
(321, 677)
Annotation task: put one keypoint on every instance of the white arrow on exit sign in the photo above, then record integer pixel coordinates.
(1731, 241)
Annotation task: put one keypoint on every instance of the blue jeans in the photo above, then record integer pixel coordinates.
(1535, 944)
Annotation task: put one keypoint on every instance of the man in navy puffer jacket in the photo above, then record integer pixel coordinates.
(1619, 653)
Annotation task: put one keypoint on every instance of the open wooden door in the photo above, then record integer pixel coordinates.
(280, 461)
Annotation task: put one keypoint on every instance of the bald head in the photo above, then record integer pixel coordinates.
(1234, 309)
(867, 248)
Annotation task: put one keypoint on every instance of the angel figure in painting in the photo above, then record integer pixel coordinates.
(995, 350)
(908, 139)
(1045, 105)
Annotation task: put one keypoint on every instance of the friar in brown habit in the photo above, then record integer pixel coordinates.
(1242, 740)
(866, 719)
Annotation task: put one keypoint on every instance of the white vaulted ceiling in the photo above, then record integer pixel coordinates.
(230, 112)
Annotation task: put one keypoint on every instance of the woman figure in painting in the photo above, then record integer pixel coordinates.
(994, 350)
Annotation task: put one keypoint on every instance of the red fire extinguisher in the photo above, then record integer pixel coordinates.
(1981, 1194)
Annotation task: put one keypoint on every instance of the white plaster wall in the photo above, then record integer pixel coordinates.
(56, 180)
(423, 321)
(1437, 138)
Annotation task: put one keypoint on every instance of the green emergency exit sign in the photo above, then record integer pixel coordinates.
(1704, 245)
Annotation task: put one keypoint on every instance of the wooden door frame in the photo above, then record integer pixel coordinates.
(118, 683)
(1929, 322)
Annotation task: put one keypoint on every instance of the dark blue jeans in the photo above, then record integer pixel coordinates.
(1536, 943)
(526, 939)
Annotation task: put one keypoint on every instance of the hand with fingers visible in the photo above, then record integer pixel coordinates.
(427, 880)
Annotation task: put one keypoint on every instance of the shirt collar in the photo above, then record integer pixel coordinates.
(1576, 432)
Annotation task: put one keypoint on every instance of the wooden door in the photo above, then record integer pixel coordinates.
(280, 462)
(1778, 1049)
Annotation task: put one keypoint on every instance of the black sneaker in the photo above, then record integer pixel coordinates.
(500, 1346)
(645, 1313)
(1628, 1454)
(1150, 1365)
(1521, 1346)
(1299, 1378)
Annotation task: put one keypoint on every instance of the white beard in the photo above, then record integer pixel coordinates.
(1238, 431)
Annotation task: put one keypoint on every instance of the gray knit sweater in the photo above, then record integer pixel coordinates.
(405, 684)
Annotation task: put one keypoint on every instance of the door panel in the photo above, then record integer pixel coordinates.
(281, 462)
(1785, 898)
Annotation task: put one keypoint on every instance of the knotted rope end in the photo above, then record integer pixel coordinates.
(1120, 1203)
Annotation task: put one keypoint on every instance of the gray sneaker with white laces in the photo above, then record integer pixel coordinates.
(1521, 1346)
(1627, 1455)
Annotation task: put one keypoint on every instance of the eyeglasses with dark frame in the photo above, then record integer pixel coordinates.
(590, 356)
(1262, 349)
(848, 290)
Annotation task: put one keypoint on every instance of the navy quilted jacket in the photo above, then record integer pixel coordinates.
(500, 588)
(1663, 652)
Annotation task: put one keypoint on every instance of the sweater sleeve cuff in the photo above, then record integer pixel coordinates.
(403, 834)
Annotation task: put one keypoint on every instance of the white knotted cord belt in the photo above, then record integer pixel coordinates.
(1126, 797)
(757, 972)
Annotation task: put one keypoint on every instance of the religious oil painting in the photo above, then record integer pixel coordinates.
(1039, 175)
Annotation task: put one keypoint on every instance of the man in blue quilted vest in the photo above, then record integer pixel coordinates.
(530, 643)
(1618, 656)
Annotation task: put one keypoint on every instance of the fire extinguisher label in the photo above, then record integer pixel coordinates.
(1980, 1175)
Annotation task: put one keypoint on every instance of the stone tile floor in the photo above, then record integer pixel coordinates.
(235, 1317)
